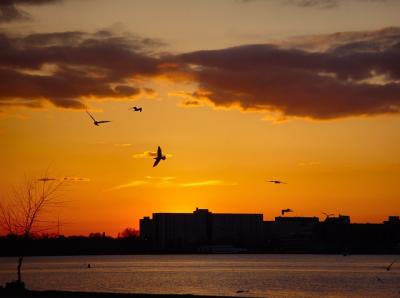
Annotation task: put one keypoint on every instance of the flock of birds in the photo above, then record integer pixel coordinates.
(160, 156)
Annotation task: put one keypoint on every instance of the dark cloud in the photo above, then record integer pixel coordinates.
(10, 12)
(375, 40)
(65, 67)
(320, 77)
(355, 78)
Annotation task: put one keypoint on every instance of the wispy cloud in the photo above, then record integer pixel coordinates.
(45, 179)
(160, 178)
(170, 182)
(67, 178)
(148, 154)
(201, 183)
(133, 183)
(161, 181)
(76, 179)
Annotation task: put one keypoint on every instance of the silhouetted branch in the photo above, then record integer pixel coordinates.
(21, 215)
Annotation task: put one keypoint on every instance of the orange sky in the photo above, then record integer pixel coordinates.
(337, 148)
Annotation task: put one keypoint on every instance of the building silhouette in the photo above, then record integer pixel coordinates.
(394, 220)
(204, 231)
(341, 219)
(290, 231)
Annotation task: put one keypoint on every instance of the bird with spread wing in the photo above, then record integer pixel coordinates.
(136, 109)
(283, 211)
(95, 122)
(159, 157)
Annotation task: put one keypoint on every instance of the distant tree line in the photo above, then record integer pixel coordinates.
(127, 242)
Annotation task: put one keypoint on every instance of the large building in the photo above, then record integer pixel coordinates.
(204, 231)
(202, 228)
(290, 228)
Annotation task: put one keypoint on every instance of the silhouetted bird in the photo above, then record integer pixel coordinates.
(159, 157)
(283, 211)
(242, 291)
(45, 179)
(136, 109)
(95, 122)
(88, 265)
(390, 266)
(277, 182)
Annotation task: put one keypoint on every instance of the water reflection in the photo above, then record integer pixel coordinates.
(234, 275)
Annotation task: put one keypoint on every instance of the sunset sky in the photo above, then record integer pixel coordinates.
(236, 92)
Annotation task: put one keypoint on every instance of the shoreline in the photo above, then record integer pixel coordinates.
(397, 253)
(5, 293)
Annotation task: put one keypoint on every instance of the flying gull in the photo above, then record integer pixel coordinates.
(95, 122)
(283, 211)
(159, 157)
(136, 109)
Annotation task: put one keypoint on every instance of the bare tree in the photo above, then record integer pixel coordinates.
(22, 214)
(129, 233)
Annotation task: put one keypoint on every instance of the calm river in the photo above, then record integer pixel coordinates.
(256, 275)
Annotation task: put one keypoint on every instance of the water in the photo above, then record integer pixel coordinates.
(262, 275)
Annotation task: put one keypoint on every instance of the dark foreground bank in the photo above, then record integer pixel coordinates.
(64, 294)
